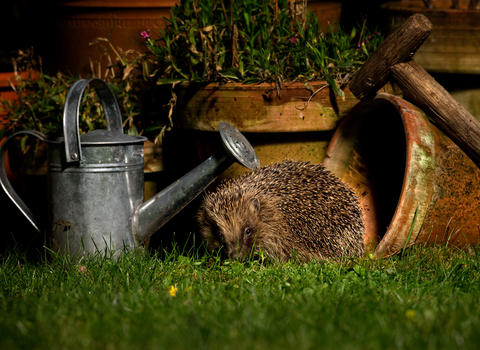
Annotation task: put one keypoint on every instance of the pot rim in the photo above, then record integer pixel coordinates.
(243, 86)
(119, 3)
(415, 6)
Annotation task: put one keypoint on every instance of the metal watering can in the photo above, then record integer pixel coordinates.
(96, 181)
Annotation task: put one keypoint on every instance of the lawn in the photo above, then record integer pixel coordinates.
(428, 299)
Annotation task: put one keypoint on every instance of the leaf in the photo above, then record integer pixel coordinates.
(169, 81)
(191, 36)
(247, 20)
(115, 88)
(153, 127)
(333, 84)
(353, 33)
(410, 231)
(133, 130)
(232, 73)
(348, 64)
(193, 59)
(126, 72)
(364, 48)
(90, 124)
(207, 29)
(173, 16)
(359, 270)
(309, 87)
(221, 58)
(300, 29)
(22, 143)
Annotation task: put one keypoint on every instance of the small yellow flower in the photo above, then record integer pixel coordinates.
(410, 314)
(370, 256)
(172, 290)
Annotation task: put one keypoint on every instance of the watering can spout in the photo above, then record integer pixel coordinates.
(155, 212)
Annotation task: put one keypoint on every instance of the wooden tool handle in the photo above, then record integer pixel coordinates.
(450, 116)
(397, 47)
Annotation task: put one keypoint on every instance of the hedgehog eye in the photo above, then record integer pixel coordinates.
(219, 235)
(247, 231)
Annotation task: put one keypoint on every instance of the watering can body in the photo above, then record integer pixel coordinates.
(92, 205)
(96, 181)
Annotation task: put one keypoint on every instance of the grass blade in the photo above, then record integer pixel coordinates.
(410, 232)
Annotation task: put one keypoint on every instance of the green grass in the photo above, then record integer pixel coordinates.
(429, 299)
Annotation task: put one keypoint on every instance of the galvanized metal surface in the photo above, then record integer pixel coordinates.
(71, 115)
(5, 183)
(92, 205)
(397, 162)
(238, 147)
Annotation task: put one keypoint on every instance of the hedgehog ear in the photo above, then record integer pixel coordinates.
(256, 204)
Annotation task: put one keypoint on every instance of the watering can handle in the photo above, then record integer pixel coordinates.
(71, 114)
(7, 187)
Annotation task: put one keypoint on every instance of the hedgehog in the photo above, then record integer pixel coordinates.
(286, 210)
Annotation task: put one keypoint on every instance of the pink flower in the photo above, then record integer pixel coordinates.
(294, 40)
(145, 34)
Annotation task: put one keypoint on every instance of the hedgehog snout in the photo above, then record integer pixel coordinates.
(232, 250)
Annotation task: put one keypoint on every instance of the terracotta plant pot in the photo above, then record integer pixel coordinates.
(81, 21)
(7, 80)
(396, 161)
(278, 127)
(453, 46)
(327, 12)
(6, 93)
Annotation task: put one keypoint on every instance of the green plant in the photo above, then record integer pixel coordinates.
(41, 97)
(255, 41)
